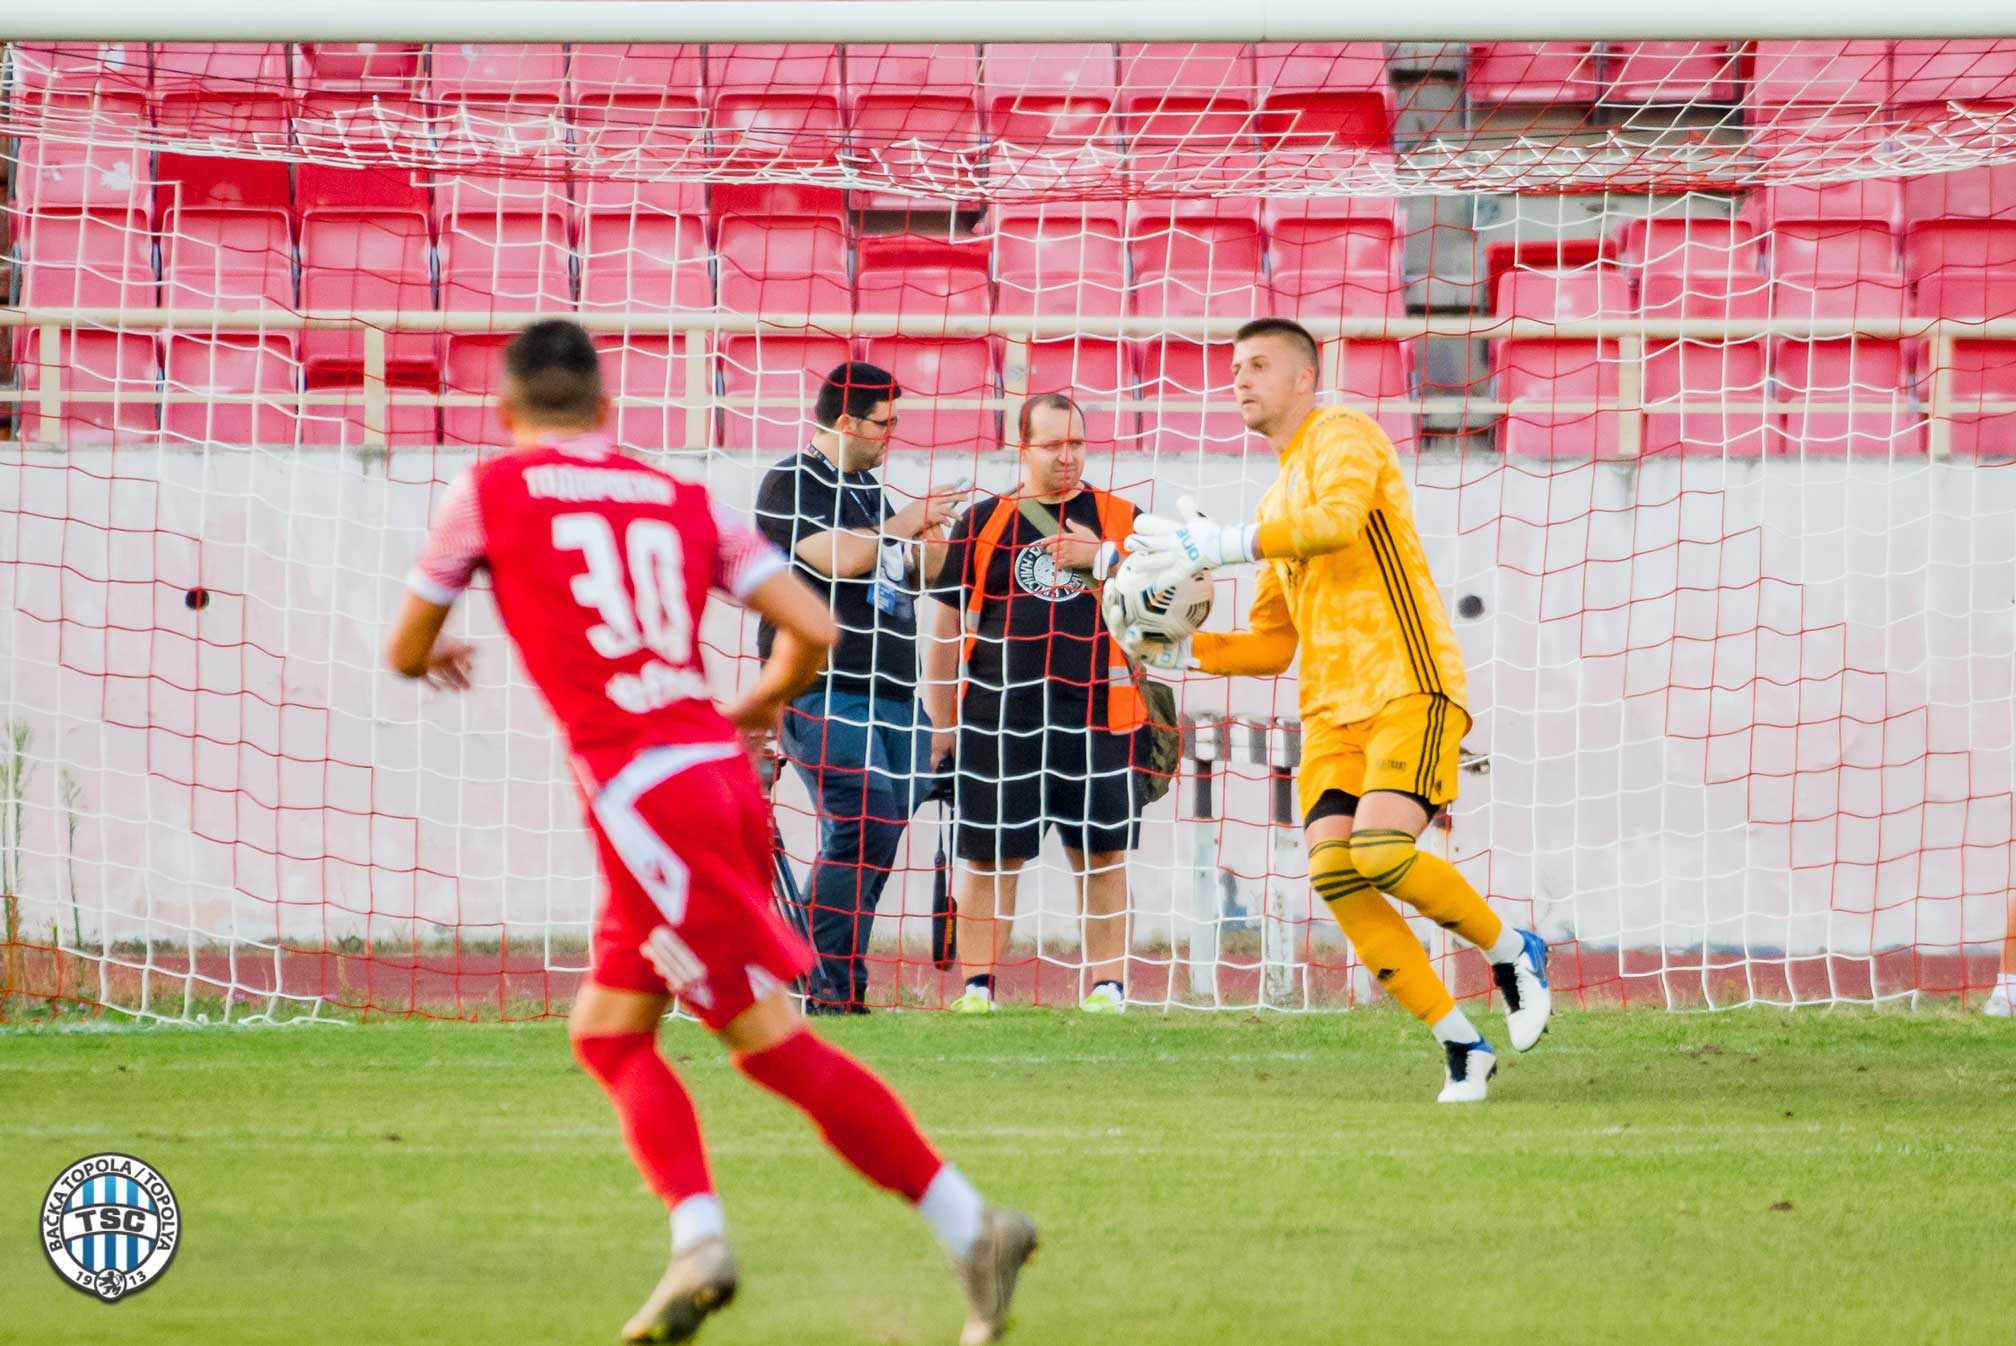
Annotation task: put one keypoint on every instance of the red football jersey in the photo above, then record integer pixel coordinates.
(601, 565)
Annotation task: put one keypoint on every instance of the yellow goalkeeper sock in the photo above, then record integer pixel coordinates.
(1380, 934)
(1388, 859)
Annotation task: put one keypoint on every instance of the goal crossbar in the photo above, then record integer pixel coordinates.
(931, 21)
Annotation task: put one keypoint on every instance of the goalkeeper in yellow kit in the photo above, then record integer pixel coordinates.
(1343, 576)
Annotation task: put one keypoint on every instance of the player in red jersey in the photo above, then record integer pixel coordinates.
(601, 566)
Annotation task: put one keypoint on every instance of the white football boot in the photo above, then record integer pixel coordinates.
(1471, 1065)
(700, 1281)
(2001, 1002)
(988, 1271)
(1523, 984)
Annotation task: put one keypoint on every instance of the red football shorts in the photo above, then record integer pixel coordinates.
(684, 835)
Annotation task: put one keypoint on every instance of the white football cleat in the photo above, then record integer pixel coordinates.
(2001, 1003)
(989, 1270)
(1471, 1065)
(1523, 984)
(700, 1281)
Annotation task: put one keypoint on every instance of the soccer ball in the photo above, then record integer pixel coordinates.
(1137, 608)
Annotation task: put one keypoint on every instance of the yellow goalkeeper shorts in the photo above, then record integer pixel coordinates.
(1410, 744)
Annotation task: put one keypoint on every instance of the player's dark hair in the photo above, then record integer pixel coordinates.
(853, 389)
(1059, 401)
(1285, 327)
(555, 373)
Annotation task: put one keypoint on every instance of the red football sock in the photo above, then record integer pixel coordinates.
(659, 1124)
(858, 1114)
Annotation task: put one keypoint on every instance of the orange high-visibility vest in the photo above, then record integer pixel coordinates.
(1125, 711)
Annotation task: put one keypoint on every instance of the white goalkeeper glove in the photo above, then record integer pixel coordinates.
(1172, 656)
(1191, 544)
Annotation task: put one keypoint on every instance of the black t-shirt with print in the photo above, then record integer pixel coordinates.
(1039, 654)
(805, 495)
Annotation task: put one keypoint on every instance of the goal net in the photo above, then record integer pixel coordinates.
(1701, 358)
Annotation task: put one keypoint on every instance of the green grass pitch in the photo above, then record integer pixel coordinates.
(1822, 1177)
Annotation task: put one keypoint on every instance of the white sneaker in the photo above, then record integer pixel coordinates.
(1523, 984)
(1105, 999)
(1471, 1065)
(2001, 1003)
(700, 1281)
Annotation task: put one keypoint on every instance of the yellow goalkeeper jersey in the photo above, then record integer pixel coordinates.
(1344, 576)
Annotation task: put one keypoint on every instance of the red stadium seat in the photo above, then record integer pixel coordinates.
(1053, 112)
(1937, 247)
(1877, 202)
(1956, 71)
(1536, 374)
(227, 232)
(1335, 257)
(1987, 193)
(1533, 72)
(1060, 258)
(55, 175)
(362, 99)
(1820, 72)
(1669, 73)
(365, 245)
(640, 102)
(1094, 372)
(1190, 114)
(1186, 391)
(1193, 259)
(656, 372)
(935, 375)
(768, 386)
(1980, 369)
(776, 106)
(1812, 105)
(1320, 68)
(644, 245)
(1820, 249)
(384, 67)
(236, 90)
(1694, 376)
(1867, 372)
(1982, 372)
(81, 70)
(77, 259)
(333, 410)
(501, 72)
(503, 243)
(472, 366)
(1695, 267)
(767, 264)
(121, 367)
(914, 121)
(907, 275)
(1372, 375)
(233, 363)
(1972, 295)
(83, 90)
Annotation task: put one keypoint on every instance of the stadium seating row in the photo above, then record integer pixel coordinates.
(765, 385)
(999, 82)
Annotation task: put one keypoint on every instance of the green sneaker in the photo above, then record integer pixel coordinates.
(1104, 1000)
(973, 1003)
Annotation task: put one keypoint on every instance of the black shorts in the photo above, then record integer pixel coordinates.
(1012, 784)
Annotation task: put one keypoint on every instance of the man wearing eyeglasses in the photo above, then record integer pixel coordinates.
(858, 738)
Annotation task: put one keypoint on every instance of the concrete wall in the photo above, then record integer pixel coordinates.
(1762, 705)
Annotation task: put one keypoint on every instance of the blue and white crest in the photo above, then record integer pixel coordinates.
(110, 1225)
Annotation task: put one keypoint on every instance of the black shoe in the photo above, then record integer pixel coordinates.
(856, 1007)
(822, 1008)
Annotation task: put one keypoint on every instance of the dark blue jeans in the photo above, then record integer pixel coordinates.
(867, 764)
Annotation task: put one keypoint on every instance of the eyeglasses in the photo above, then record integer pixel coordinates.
(883, 424)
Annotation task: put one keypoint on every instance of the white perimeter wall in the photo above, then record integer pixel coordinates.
(1765, 705)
